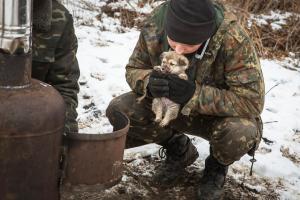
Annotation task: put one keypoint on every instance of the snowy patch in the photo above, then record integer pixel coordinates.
(277, 19)
(103, 54)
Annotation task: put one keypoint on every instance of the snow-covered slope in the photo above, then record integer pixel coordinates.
(104, 49)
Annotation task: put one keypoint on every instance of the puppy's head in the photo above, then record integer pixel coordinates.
(173, 62)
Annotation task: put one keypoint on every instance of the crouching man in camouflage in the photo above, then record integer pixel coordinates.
(54, 54)
(221, 101)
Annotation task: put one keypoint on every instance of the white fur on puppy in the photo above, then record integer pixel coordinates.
(166, 110)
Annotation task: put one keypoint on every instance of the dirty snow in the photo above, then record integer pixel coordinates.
(277, 18)
(103, 54)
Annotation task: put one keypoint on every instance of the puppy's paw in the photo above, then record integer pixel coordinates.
(164, 123)
(183, 76)
(157, 120)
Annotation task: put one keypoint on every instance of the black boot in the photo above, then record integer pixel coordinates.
(212, 181)
(180, 153)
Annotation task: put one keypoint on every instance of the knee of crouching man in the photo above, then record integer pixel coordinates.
(232, 138)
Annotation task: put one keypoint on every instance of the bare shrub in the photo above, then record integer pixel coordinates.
(128, 18)
(260, 6)
(269, 42)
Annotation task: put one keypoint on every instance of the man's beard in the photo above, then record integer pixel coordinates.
(42, 15)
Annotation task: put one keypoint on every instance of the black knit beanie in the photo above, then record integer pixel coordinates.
(190, 21)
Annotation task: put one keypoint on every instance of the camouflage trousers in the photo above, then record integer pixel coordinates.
(230, 137)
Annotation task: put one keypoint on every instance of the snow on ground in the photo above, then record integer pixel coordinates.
(280, 160)
(102, 57)
(277, 17)
(103, 53)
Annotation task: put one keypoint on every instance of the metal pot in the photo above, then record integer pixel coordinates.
(97, 158)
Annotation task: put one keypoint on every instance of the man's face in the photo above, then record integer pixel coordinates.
(183, 48)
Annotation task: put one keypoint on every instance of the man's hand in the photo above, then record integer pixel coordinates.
(171, 86)
(158, 84)
(180, 91)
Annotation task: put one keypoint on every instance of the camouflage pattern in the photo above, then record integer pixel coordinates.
(54, 60)
(229, 97)
(142, 129)
(230, 137)
(228, 78)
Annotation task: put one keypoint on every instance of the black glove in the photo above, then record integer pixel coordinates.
(158, 84)
(180, 91)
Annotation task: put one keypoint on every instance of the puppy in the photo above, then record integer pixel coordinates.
(166, 110)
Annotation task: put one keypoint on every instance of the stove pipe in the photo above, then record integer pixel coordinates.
(15, 26)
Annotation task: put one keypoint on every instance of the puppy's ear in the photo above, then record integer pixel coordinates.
(162, 55)
(184, 62)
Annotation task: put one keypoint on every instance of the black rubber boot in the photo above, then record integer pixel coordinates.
(212, 181)
(180, 153)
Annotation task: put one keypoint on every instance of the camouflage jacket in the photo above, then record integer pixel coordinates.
(54, 60)
(229, 80)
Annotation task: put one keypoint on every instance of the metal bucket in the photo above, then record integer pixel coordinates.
(96, 159)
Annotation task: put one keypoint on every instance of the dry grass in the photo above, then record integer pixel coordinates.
(261, 6)
(270, 43)
(129, 18)
(282, 41)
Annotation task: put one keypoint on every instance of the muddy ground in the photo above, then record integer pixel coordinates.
(137, 184)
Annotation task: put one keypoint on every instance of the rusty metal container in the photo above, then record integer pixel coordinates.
(31, 125)
(96, 159)
(32, 114)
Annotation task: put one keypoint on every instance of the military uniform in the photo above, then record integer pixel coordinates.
(229, 97)
(54, 60)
